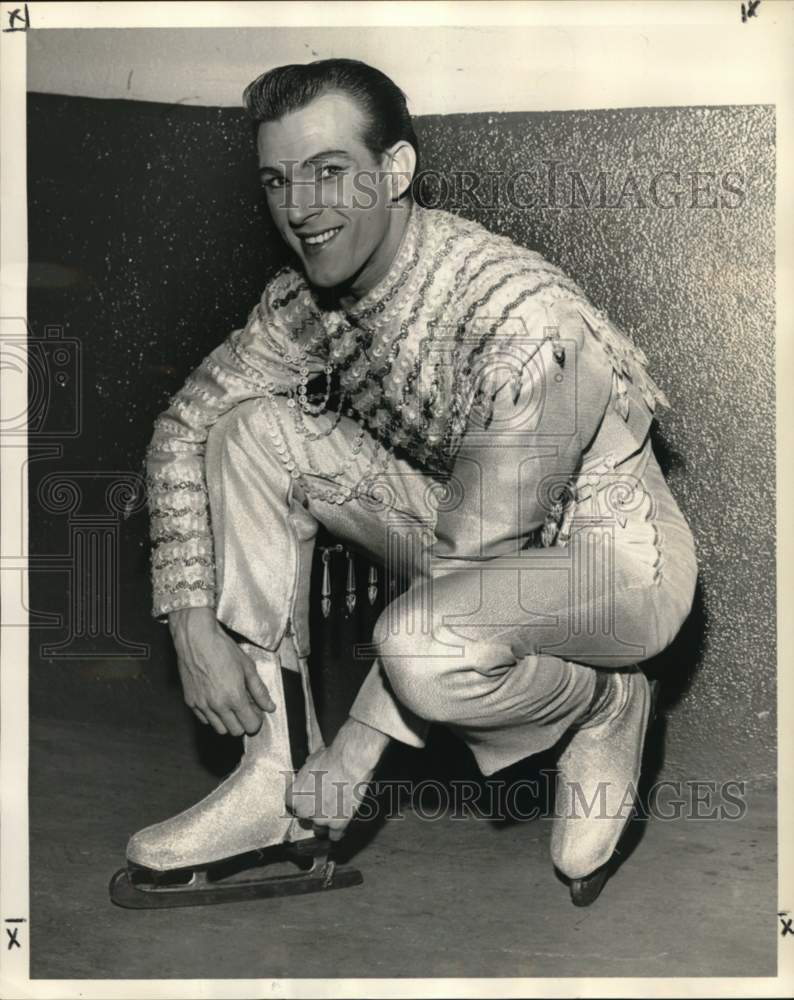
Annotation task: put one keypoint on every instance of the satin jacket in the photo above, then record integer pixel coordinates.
(436, 361)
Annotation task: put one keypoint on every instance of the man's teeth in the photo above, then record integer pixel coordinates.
(322, 237)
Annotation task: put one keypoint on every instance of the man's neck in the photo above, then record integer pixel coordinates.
(378, 266)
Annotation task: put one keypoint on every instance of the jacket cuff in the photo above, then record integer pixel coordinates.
(377, 707)
(164, 605)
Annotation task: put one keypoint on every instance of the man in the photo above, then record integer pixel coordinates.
(490, 444)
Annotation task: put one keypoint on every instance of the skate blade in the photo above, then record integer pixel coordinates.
(585, 891)
(137, 888)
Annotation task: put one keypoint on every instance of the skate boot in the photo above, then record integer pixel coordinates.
(598, 774)
(206, 853)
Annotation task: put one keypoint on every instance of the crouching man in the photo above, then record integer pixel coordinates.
(451, 404)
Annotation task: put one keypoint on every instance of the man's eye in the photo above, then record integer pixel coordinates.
(330, 170)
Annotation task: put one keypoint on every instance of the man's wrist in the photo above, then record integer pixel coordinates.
(181, 616)
(364, 743)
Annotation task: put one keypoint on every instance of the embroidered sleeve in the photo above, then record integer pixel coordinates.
(256, 360)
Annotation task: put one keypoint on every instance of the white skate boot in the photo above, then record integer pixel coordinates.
(205, 854)
(598, 775)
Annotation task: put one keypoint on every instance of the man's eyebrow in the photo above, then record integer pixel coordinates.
(312, 159)
(325, 153)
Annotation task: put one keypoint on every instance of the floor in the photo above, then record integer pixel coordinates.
(449, 897)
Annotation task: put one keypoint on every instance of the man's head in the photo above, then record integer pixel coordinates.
(337, 152)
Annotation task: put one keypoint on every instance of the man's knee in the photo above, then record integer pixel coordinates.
(422, 665)
(246, 442)
(236, 424)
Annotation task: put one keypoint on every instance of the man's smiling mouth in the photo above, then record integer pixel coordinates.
(318, 239)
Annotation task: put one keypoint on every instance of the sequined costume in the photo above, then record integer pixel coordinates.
(489, 441)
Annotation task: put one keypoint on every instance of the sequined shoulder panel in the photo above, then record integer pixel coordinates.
(283, 288)
(288, 302)
(629, 362)
(499, 277)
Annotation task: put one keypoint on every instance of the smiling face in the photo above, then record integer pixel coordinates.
(331, 200)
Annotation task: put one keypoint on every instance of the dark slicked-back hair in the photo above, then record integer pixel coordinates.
(290, 88)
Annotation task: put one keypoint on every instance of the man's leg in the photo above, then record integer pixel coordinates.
(493, 667)
(265, 521)
(264, 525)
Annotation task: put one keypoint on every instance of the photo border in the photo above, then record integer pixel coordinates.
(650, 64)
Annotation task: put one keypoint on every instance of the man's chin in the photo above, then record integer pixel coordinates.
(325, 278)
(322, 280)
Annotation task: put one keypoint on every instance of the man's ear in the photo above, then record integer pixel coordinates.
(400, 161)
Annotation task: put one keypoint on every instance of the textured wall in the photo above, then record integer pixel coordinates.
(148, 242)
(694, 283)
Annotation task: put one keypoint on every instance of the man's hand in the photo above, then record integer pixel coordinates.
(219, 681)
(332, 784)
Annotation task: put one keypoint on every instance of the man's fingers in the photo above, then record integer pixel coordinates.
(249, 718)
(299, 803)
(215, 721)
(257, 689)
(231, 723)
(201, 716)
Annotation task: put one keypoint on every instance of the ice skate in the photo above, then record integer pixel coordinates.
(224, 848)
(598, 775)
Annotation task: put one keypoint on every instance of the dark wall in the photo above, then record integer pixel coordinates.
(149, 242)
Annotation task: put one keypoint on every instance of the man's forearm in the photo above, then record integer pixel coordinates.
(361, 745)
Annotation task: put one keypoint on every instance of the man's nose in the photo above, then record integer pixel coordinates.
(304, 202)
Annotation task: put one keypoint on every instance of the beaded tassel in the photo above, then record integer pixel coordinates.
(350, 588)
(372, 584)
(551, 333)
(325, 602)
